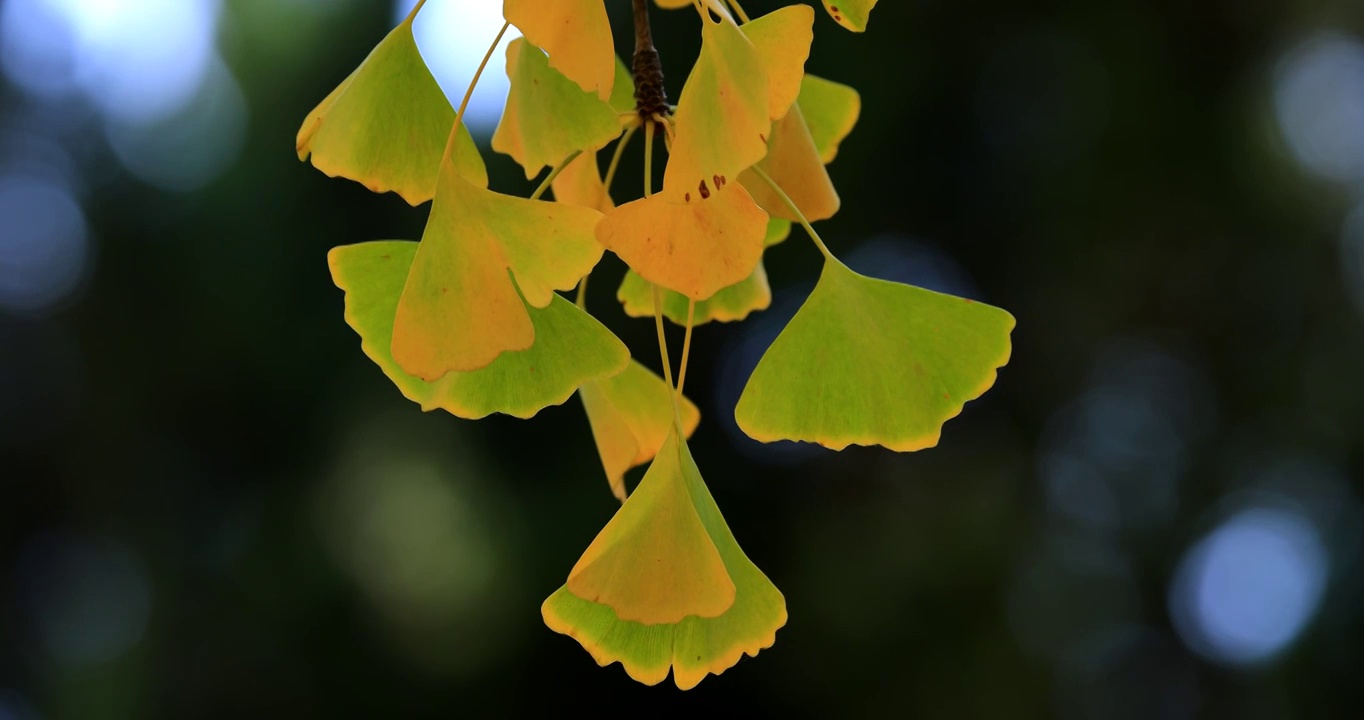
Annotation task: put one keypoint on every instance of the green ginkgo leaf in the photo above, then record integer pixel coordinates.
(623, 91)
(851, 14)
(793, 162)
(548, 116)
(575, 33)
(655, 562)
(782, 40)
(631, 414)
(571, 348)
(730, 304)
(831, 110)
(460, 308)
(871, 362)
(386, 125)
(694, 647)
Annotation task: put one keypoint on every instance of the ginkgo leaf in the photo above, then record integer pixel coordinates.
(571, 349)
(655, 561)
(871, 362)
(831, 110)
(716, 6)
(722, 117)
(696, 246)
(730, 304)
(793, 163)
(631, 414)
(623, 90)
(386, 125)
(460, 308)
(575, 33)
(782, 40)
(694, 647)
(547, 116)
(851, 14)
(580, 183)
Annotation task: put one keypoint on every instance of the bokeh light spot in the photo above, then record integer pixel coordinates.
(43, 245)
(1319, 103)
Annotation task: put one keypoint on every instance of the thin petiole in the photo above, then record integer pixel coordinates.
(615, 158)
(738, 10)
(549, 179)
(791, 204)
(667, 364)
(464, 104)
(581, 300)
(649, 158)
(686, 346)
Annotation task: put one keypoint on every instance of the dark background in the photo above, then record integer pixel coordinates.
(213, 505)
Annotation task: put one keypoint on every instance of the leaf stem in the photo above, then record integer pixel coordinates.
(648, 158)
(686, 346)
(738, 10)
(615, 158)
(799, 215)
(549, 179)
(667, 363)
(468, 93)
(581, 300)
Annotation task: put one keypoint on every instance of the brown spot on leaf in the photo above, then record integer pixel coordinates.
(705, 191)
(686, 197)
(763, 138)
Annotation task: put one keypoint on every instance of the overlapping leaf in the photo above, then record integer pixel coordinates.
(575, 33)
(831, 110)
(631, 414)
(870, 362)
(695, 646)
(460, 308)
(386, 125)
(571, 348)
(851, 14)
(793, 162)
(547, 116)
(782, 40)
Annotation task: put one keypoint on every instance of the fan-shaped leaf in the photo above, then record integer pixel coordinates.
(548, 116)
(631, 414)
(575, 33)
(851, 14)
(460, 309)
(870, 362)
(386, 125)
(793, 163)
(831, 110)
(571, 348)
(782, 39)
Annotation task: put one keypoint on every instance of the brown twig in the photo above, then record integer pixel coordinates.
(650, 97)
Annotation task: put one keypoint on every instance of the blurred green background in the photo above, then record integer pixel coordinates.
(213, 505)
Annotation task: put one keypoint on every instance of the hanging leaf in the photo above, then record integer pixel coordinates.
(831, 110)
(782, 40)
(870, 362)
(460, 308)
(386, 125)
(793, 163)
(694, 647)
(655, 562)
(580, 183)
(575, 33)
(730, 304)
(851, 14)
(722, 117)
(631, 414)
(623, 90)
(696, 246)
(571, 348)
(547, 116)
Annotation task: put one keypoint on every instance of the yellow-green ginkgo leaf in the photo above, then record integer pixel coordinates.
(386, 125)
(696, 246)
(730, 304)
(694, 647)
(655, 562)
(782, 39)
(548, 116)
(631, 414)
(793, 163)
(722, 117)
(575, 33)
(460, 308)
(851, 14)
(580, 183)
(623, 91)
(571, 349)
(831, 110)
(870, 362)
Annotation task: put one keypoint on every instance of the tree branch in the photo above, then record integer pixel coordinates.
(650, 97)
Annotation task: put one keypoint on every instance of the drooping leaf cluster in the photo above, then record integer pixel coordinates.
(471, 320)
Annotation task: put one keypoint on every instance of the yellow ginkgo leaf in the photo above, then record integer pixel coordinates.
(793, 162)
(851, 14)
(547, 116)
(782, 40)
(655, 561)
(695, 246)
(580, 183)
(386, 124)
(722, 117)
(831, 110)
(460, 309)
(631, 414)
(575, 33)
(696, 646)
